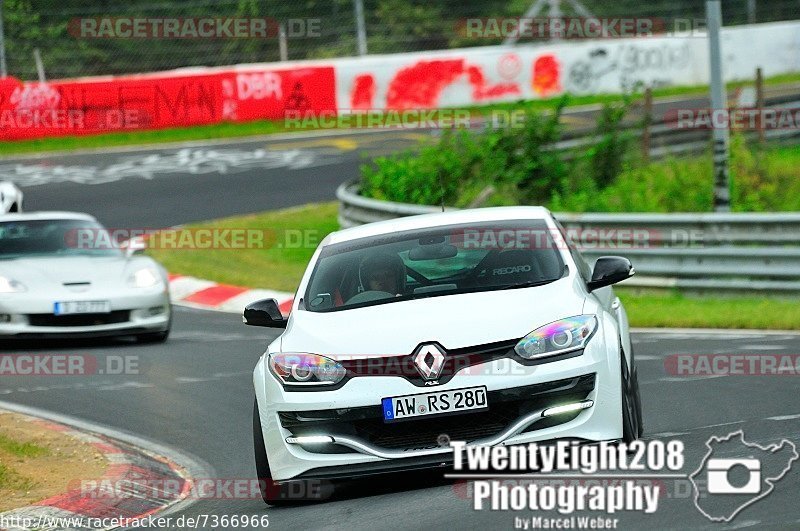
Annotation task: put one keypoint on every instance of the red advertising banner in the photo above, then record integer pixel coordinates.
(91, 106)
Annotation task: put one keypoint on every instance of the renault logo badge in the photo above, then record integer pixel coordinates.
(429, 361)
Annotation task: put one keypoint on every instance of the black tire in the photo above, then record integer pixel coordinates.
(153, 337)
(156, 337)
(270, 491)
(638, 397)
(631, 405)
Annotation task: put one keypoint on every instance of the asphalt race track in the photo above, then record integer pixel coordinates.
(195, 394)
(156, 187)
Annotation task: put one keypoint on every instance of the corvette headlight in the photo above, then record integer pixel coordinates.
(143, 278)
(8, 285)
(559, 337)
(305, 369)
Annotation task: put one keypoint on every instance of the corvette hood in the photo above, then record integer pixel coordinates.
(454, 321)
(53, 272)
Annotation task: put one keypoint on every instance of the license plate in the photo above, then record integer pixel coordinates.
(434, 403)
(64, 308)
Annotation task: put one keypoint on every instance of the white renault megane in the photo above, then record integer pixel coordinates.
(485, 326)
(61, 275)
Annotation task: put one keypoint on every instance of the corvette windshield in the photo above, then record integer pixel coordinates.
(54, 237)
(432, 262)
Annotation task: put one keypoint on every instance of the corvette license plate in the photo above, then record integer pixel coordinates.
(435, 403)
(64, 308)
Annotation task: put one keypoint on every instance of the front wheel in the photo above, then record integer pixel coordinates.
(275, 493)
(631, 404)
(155, 337)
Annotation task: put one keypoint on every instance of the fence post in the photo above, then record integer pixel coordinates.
(3, 67)
(361, 27)
(37, 57)
(760, 103)
(648, 119)
(283, 45)
(722, 194)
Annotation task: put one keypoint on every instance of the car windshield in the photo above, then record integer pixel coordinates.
(433, 262)
(55, 237)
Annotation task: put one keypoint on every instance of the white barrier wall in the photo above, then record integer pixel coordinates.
(475, 76)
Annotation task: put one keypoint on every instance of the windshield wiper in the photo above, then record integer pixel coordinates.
(528, 284)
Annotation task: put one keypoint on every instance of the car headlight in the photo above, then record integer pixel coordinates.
(559, 337)
(143, 278)
(8, 285)
(305, 369)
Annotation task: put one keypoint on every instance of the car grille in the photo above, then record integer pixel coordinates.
(505, 407)
(79, 319)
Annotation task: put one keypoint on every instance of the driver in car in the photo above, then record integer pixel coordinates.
(383, 272)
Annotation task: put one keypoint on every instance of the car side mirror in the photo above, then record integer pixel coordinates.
(264, 313)
(609, 270)
(133, 246)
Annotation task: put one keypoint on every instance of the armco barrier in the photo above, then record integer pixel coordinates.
(706, 252)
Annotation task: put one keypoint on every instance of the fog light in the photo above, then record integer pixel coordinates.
(5, 318)
(310, 439)
(567, 408)
(155, 310)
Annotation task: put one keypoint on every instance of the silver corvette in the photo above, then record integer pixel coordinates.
(61, 275)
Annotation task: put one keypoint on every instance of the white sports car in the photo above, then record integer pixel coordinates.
(485, 326)
(62, 276)
(10, 197)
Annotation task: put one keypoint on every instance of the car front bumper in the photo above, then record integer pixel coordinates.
(132, 311)
(371, 446)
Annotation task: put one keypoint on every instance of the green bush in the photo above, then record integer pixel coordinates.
(515, 160)
(522, 168)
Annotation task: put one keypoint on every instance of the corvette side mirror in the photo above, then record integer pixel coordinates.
(264, 313)
(610, 270)
(133, 246)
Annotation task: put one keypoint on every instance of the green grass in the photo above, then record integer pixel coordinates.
(9, 479)
(675, 310)
(267, 127)
(763, 180)
(21, 449)
(292, 235)
(281, 266)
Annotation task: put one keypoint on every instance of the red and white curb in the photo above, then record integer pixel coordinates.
(208, 295)
(133, 476)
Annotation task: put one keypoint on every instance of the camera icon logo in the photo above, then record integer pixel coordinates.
(719, 471)
(736, 473)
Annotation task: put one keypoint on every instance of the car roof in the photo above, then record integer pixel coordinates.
(439, 219)
(29, 216)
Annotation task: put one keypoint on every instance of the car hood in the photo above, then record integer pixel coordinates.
(454, 321)
(48, 273)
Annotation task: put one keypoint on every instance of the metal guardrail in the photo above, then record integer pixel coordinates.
(704, 252)
(665, 138)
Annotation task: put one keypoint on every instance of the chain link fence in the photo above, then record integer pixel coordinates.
(71, 40)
